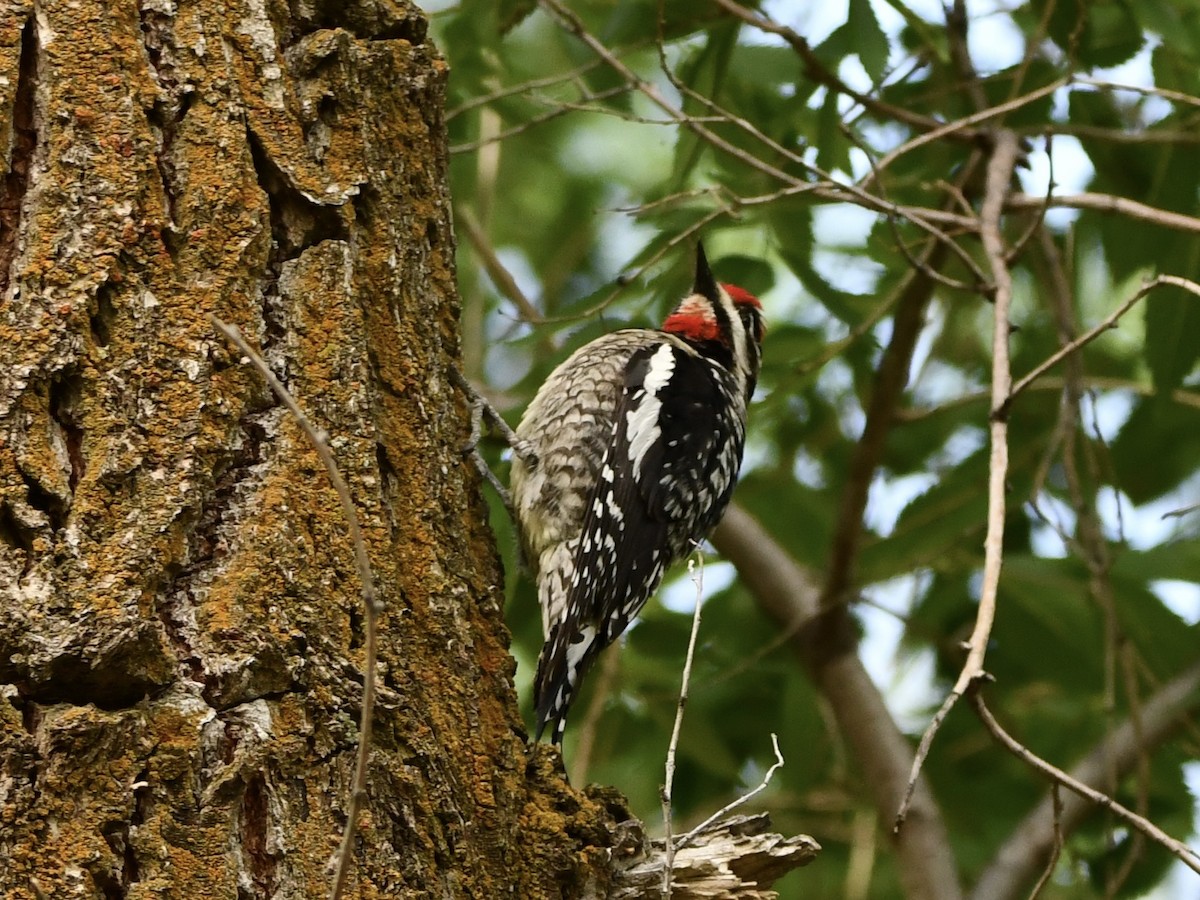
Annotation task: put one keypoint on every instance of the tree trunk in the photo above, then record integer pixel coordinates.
(180, 620)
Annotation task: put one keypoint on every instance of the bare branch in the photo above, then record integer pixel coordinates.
(358, 791)
(1110, 204)
(685, 839)
(1177, 848)
(696, 570)
(816, 71)
(1091, 334)
(999, 177)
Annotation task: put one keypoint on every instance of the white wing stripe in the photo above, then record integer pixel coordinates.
(641, 424)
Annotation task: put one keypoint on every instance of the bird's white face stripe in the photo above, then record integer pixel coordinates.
(641, 424)
(741, 358)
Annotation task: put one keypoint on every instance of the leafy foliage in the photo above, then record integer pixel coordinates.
(803, 157)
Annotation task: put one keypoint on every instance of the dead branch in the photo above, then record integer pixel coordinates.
(735, 858)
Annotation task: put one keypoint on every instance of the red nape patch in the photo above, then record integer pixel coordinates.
(692, 326)
(741, 295)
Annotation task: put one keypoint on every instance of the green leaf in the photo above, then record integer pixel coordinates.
(1097, 33)
(833, 149)
(869, 40)
(1174, 560)
(750, 272)
(1172, 335)
(919, 34)
(1156, 449)
(1167, 643)
(1047, 626)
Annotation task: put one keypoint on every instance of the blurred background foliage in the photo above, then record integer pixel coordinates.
(579, 200)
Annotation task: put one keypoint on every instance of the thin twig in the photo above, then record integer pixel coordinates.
(1112, 135)
(993, 112)
(815, 70)
(696, 570)
(501, 277)
(358, 791)
(999, 177)
(893, 225)
(1165, 93)
(1018, 246)
(1189, 399)
(1110, 204)
(589, 102)
(522, 88)
(1056, 848)
(1180, 850)
(680, 237)
(1091, 334)
(1182, 511)
(684, 839)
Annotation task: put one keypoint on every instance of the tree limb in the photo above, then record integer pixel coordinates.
(790, 595)
(999, 176)
(1143, 212)
(1017, 863)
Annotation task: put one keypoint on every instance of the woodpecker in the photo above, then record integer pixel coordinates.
(625, 459)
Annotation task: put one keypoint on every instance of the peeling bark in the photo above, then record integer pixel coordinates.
(733, 859)
(180, 661)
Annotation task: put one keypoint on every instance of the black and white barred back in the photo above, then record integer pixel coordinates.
(638, 439)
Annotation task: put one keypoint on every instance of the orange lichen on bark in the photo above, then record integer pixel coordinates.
(182, 635)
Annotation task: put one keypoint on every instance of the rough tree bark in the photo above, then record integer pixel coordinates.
(179, 611)
(180, 620)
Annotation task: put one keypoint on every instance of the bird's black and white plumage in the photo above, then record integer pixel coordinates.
(631, 450)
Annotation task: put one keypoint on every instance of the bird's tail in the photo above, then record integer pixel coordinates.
(566, 656)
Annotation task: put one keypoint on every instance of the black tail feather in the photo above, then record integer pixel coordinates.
(557, 681)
